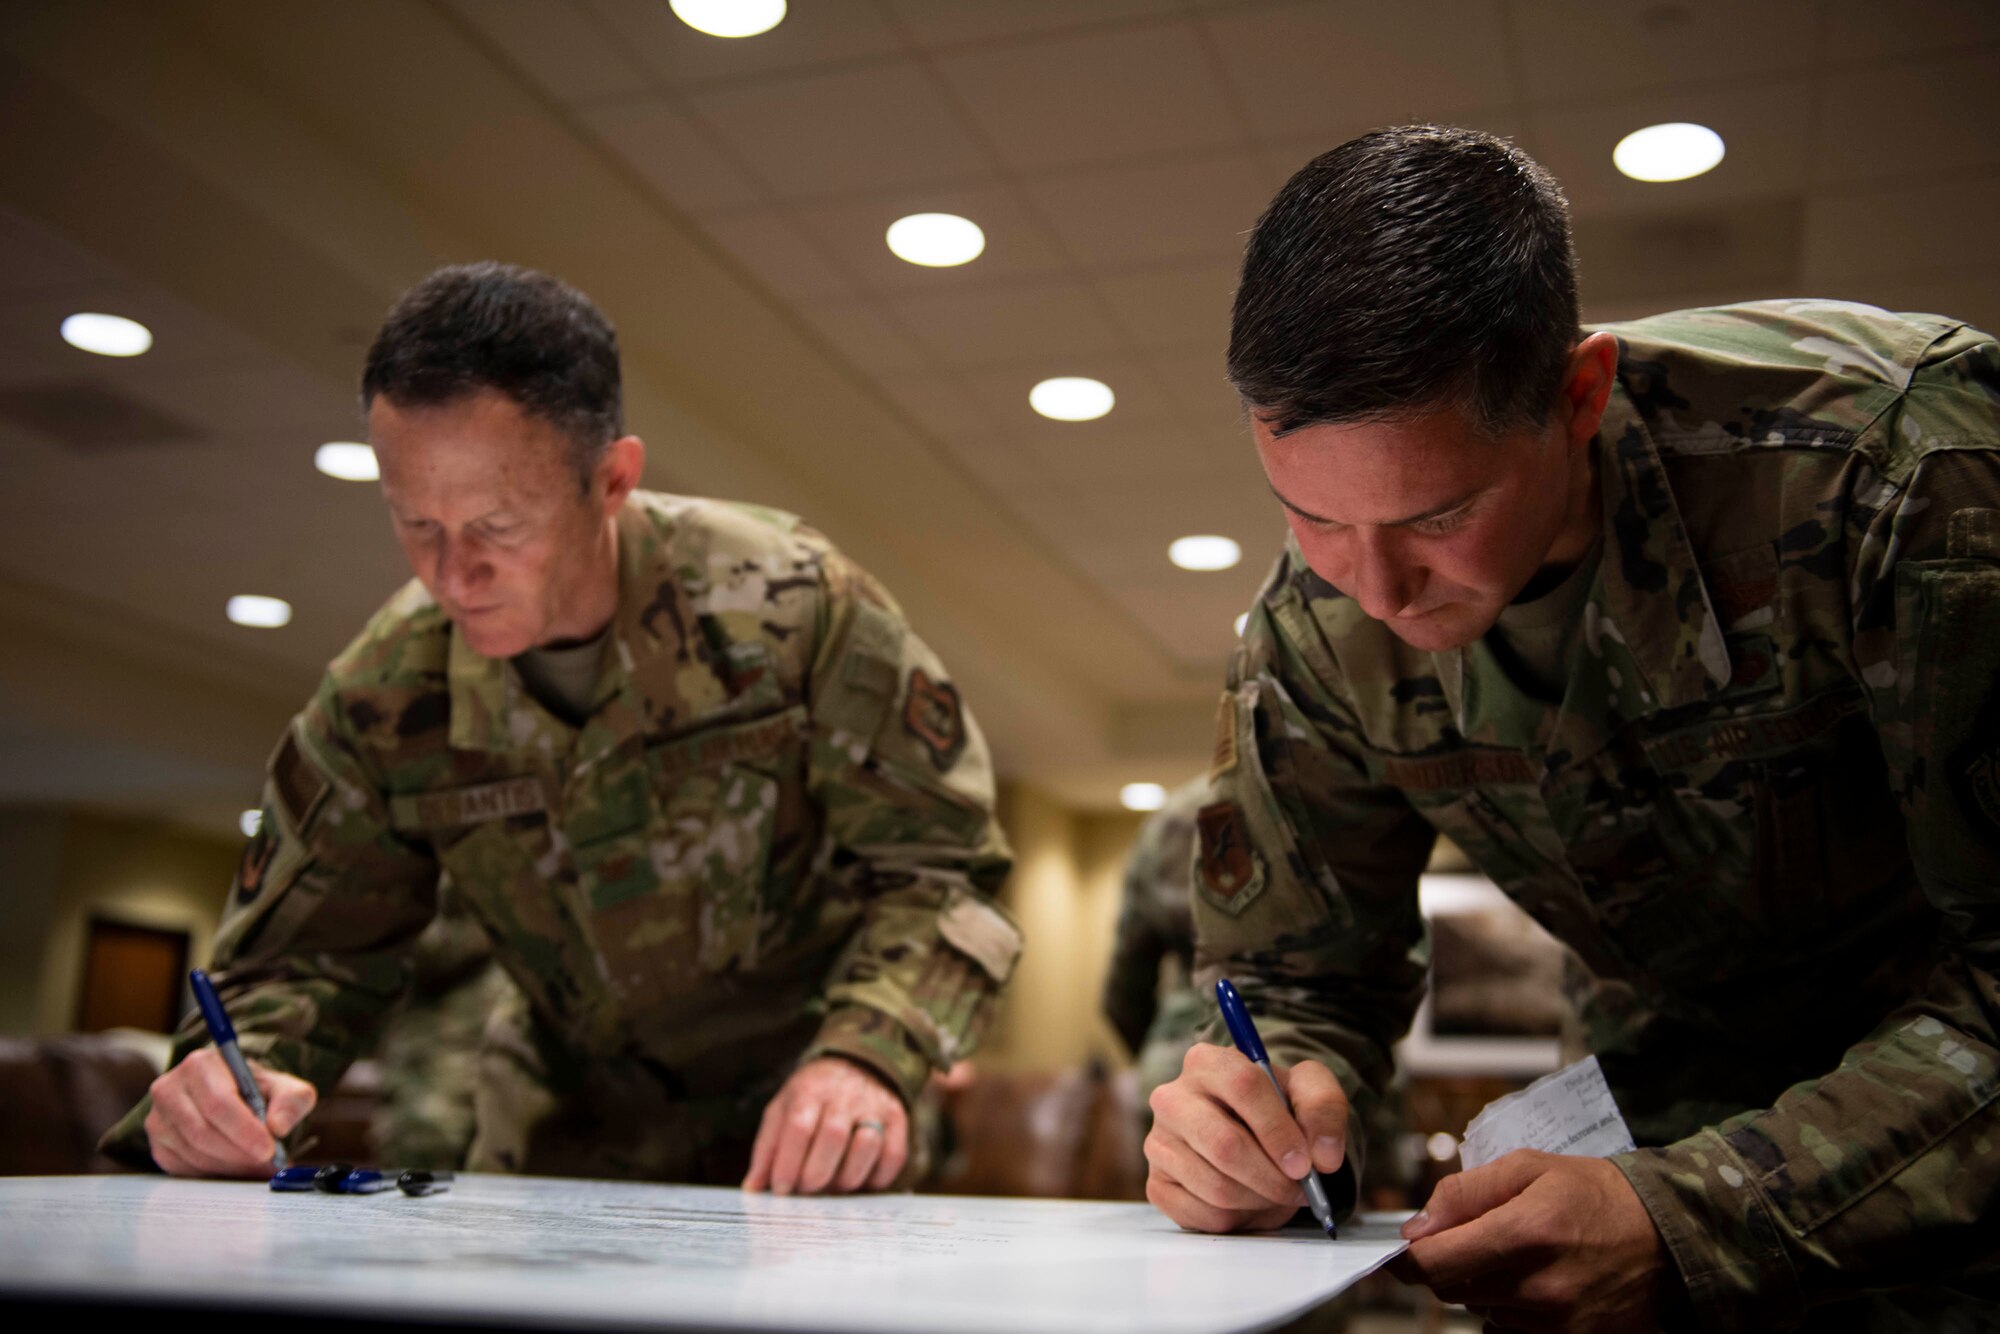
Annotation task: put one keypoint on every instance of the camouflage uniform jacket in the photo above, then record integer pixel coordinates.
(773, 840)
(1149, 994)
(1765, 815)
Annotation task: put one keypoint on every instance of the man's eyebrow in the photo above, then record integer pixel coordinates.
(1432, 513)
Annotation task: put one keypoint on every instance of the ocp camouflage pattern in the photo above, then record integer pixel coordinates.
(1763, 816)
(1149, 994)
(748, 856)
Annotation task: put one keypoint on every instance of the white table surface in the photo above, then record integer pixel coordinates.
(545, 1251)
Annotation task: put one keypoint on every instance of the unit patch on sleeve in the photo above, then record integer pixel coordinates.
(933, 715)
(257, 850)
(1228, 870)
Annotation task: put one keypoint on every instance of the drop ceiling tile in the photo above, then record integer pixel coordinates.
(1161, 211)
(814, 33)
(1026, 322)
(783, 258)
(939, 405)
(1018, 243)
(844, 132)
(1892, 229)
(859, 332)
(660, 143)
(1766, 145)
(558, 44)
(1582, 49)
(1175, 306)
(1198, 379)
(1867, 31)
(1750, 247)
(35, 261)
(1929, 115)
(1094, 97)
(1331, 65)
(944, 23)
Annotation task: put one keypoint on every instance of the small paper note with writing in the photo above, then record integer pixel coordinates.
(1570, 1111)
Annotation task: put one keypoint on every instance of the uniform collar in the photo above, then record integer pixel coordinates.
(656, 671)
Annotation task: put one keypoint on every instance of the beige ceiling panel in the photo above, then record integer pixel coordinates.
(1198, 379)
(814, 32)
(1195, 619)
(1095, 97)
(1905, 228)
(1747, 248)
(563, 47)
(946, 23)
(859, 332)
(36, 261)
(1925, 116)
(1117, 216)
(1332, 65)
(1018, 243)
(1028, 323)
(1765, 137)
(184, 338)
(779, 256)
(937, 404)
(1173, 307)
(1096, 455)
(851, 131)
(1575, 49)
(1866, 32)
(688, 168)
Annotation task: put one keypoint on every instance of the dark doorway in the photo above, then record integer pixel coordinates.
(132, 977)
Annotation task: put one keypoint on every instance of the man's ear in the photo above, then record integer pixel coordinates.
(1587, 381)
(618, 471)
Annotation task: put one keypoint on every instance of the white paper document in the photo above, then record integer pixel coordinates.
(1570, 1111)
(541, 1252)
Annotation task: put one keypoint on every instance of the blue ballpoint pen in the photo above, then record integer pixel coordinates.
(224, 1035)
(1244, 1034)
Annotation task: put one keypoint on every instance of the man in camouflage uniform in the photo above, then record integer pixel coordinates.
(1149, 993)
(1687, 631)
(721, 813)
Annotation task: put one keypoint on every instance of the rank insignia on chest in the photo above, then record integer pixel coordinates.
(933, 715)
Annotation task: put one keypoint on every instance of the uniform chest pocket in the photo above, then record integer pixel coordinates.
(677, 891)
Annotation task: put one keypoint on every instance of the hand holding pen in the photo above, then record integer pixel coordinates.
(202, 1122)
(1233, 1141)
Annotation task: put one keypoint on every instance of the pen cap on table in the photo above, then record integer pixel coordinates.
(1241, 1031)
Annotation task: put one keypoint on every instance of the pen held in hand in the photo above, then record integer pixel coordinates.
(1244, 1034)
(223, 1033)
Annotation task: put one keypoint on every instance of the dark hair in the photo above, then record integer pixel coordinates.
(1409, 269)
(534, 338)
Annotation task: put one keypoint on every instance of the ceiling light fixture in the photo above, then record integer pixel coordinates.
(1142, 796)
(347, 460)
(262, 612)
(1671, 152)
(730, 18)
(936, 240)
(1072, 398)
(106, 335)
(1204, 552)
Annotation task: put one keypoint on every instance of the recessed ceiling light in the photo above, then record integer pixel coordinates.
(262, 612)
(347, 460)
(1671, 152)
(936, 240)
(1142, 796)
(730, 18)
(1072, 398)
(1242, 621)
(106, 335)
(1204, 552)
(250, 822)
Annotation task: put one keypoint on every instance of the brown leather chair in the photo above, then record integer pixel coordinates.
(58, 1094)
(1067, 1134)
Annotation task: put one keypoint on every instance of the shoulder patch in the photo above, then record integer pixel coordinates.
(1227, 869)
(257, 850)
(301, 787)
(933, 715)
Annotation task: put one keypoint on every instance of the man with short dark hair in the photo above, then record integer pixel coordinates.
(722, 814)
(1686, 630)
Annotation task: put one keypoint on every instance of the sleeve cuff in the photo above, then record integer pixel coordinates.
(867, 1036)
(1720, 1231)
